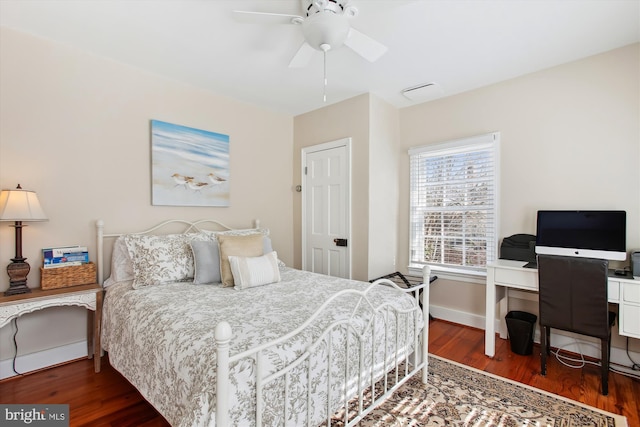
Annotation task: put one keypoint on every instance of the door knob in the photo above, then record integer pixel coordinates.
(340, 242)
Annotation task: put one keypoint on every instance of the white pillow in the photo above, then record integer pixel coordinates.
(121, 265)
(249, 272)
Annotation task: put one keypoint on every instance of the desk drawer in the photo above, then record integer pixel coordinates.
(614, 291)
(631, 293)
(630, 321)
(517, 278)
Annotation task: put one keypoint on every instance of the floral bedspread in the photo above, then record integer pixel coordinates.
(161, 338)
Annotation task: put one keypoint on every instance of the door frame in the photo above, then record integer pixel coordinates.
(344, 142)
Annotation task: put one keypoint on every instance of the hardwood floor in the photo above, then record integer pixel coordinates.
(107, 399)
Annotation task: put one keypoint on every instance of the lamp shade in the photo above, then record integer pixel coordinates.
(20, 205)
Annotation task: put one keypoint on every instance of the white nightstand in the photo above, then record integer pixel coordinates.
(88, 296)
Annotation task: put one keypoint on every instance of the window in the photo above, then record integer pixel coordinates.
(454, 203)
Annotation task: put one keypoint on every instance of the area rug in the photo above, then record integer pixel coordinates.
(457, 395)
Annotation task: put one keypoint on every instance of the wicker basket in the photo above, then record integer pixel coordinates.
(62, 277)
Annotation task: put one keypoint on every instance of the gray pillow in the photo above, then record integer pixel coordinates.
(266, 245)
(206, 258)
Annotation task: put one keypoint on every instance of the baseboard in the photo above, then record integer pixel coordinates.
(570, 342)
(455, 316)
(43, 359)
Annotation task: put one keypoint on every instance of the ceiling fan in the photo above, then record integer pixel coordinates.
(325, 26)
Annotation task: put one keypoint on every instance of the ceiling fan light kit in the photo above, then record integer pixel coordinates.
(325, 27)
(337, 6)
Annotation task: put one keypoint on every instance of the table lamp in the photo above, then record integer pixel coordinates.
(19, 205)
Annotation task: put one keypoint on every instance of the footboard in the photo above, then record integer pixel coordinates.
(358, 386)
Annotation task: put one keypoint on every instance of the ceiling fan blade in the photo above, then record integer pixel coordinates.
(249, 17)
(365, 46)
(303, 56)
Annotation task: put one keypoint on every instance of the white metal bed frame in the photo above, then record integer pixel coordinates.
(418, 360)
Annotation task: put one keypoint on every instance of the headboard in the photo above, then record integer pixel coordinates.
(175, 225)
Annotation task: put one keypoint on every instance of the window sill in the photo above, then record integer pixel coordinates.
(477, 277)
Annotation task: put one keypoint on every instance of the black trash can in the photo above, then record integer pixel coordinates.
(521, 327)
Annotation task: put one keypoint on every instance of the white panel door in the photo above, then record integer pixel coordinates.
(326, 209)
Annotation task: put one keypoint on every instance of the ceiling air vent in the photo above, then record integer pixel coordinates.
(423, 92)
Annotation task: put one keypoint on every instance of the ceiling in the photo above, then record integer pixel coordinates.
(458, 44)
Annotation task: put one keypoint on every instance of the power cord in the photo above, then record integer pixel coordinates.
(580, 362)
(15, 346)
(634, 365)
(621, 372)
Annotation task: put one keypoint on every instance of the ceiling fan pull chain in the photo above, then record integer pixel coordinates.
(325, 77)
(325, 48)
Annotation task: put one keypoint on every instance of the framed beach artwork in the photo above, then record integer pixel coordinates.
(189, 167)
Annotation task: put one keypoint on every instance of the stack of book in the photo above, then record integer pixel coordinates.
(65, 256)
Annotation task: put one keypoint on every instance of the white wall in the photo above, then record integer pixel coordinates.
(75, 128)
(345, 119)
(384, 174)
(373, 126)
(570, 139)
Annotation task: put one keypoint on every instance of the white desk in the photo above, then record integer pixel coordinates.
(503, 275)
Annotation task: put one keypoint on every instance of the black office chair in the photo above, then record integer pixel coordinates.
(573, 297)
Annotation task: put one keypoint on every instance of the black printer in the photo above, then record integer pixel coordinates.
(519, 247)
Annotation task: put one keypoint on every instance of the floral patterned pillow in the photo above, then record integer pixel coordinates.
(161, 259)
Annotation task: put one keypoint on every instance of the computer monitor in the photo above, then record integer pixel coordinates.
(589, 234)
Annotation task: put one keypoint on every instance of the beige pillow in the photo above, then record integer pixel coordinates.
(245, 246)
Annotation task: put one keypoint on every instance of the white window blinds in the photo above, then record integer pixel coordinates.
(454, 203)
